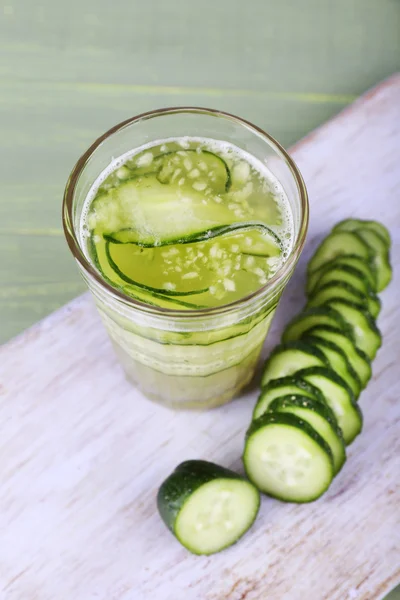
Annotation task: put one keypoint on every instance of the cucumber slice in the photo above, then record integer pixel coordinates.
(180, 272)
(351, 260)
(358, 359)
(339, 398)
(207, 507)
(284, 386)
(287, 459)
(341, 289)
(115, 257)
(380, 258)
(321, 315)
(157, 216)
(344, 273)
(353, 224)
(202, 169)
(288, 358)
(128, 172)
(338, 244)
(265, 242)
(321, 418)
(365, 332)
(100, 258)
(337, 361)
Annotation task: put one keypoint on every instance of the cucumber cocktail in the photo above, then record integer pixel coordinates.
(187, 224)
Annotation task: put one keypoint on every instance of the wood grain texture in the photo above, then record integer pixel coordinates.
(69, 70)
(82, 453)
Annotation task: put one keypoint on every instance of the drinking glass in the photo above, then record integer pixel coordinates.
(198, 358)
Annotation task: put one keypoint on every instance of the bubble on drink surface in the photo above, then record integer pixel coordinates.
(184, 142)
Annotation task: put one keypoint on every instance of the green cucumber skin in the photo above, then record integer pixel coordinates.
(322, 311)
(311, 264)
(318, 332)
(201, 236)
(329, 374)
(293, 345)
(313, 405)
(367, 315)
(376, 226)
(183, 481)
(270, 418)
(297, 345)
(304, 402)
(343, 261)
(289, 420)
(334, 347)
(289, 380)
(362, 228)
(381, 258)
(300, 383)
(371, 301)
(344, 269)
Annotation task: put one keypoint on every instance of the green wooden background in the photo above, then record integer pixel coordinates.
(71, 69)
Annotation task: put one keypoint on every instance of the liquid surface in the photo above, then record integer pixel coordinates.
(188, 223)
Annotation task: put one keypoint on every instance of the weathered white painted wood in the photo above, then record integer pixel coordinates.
(82, 453)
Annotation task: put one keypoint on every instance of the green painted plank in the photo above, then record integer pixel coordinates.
(310, 46)
(37, 277)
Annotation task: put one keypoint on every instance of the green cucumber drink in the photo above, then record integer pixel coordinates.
(186, 242)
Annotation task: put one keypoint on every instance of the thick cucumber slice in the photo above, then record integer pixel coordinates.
(358, 359)
(338, 244)
(321, 418)
(380, 258)
(377, 238)
(287, 459)
(351, 260)
(288, 358)
(353, 224)
(365, 332)
(341, 289)
(339, 398)
(337, 361)
(284, 386)
(207, 507)
(321, 315)
(201, 169)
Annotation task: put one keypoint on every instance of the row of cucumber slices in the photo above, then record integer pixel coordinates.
(307, 412)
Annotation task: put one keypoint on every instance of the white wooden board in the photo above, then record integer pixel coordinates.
(82, 453)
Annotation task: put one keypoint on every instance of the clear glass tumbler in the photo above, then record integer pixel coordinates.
(185, 359)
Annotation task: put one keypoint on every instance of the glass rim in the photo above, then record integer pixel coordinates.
(272, 283)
